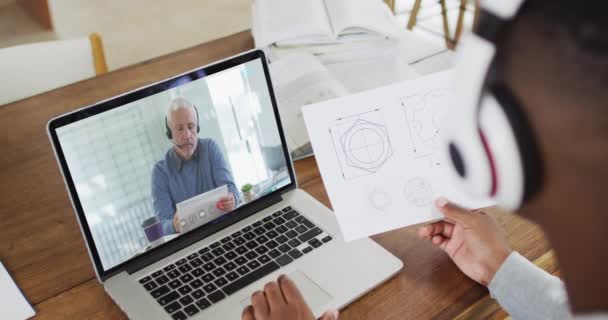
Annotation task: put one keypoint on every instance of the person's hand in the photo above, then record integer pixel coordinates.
(280, 301)
(472, 239)
(176, 222)
(226, 203)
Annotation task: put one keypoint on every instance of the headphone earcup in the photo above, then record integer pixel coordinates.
(168, 130)
(463, 154)
(510, 147)
(503, 153)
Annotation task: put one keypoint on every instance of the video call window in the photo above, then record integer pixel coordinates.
(129, 175)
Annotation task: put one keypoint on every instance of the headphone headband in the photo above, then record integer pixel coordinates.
(505, 9)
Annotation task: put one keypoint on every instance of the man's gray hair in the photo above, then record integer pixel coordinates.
(180, 103)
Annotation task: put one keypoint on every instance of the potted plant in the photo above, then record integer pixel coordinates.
(247, 190)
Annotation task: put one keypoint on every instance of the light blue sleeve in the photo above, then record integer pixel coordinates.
(161, 199)
(221, 173)
(526, 291)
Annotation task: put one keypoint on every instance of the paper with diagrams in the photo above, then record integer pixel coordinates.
(378, 155)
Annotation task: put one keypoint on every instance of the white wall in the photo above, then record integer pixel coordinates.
(138, 30)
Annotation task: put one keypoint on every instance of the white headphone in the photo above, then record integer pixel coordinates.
(488, 140)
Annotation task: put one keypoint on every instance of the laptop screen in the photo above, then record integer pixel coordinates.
(175, 161)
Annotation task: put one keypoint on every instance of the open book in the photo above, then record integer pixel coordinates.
(297, 22)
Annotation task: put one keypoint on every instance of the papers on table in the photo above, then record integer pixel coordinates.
(377, 152)
(200, 209)
(12, 303)
(323, 49)
(300, 79)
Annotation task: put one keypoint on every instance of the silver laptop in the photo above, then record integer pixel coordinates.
(130, 160)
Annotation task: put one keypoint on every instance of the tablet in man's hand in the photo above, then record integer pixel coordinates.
(200, 209)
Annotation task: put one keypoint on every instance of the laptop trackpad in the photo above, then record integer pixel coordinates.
(314, 295)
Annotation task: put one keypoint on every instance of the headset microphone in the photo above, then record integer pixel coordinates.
(175, 144)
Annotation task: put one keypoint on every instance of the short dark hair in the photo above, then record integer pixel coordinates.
(584, 22)
(577, 30)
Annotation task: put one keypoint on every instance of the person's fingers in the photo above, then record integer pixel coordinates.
(260, 305)
(273, 295)
(453, 212)
(248, 313)
(290, 291)
(330, 315)
(443, 228)
(221, 203)
(424, 232)
(176, 222)
(440, 242)
(437, 240)
(225, 202)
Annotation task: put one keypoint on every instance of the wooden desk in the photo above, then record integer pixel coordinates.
(42, 247)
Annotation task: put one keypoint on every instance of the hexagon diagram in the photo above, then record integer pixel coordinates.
(362, 144)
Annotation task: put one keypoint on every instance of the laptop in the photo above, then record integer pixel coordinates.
(125, 176)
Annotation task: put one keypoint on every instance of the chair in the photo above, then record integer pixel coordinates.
(30, 69)
(450, 42)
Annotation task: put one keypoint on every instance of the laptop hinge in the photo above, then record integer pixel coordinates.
(197, 235)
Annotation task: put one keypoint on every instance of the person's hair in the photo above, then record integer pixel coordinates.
(575, 33)
(179, 103)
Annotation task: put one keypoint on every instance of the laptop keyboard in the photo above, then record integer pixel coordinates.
(195, 282)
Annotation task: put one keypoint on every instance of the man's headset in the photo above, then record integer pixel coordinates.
(488, 140)
(170, 134)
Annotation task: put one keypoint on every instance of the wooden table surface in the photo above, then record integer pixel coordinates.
(43, 249)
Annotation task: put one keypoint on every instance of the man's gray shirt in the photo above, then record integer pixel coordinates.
(175, 180)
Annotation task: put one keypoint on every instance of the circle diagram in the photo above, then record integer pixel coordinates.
(418, 192)
(380, 200)
(366, 145)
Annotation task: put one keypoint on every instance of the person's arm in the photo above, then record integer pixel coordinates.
(526, 291)
(221, 173)
(161, 200)
(477, 245)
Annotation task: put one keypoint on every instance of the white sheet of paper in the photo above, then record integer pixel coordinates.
(377, 154)
(13, 303)
(200, 209)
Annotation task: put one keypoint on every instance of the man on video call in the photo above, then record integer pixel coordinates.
(191, 167)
